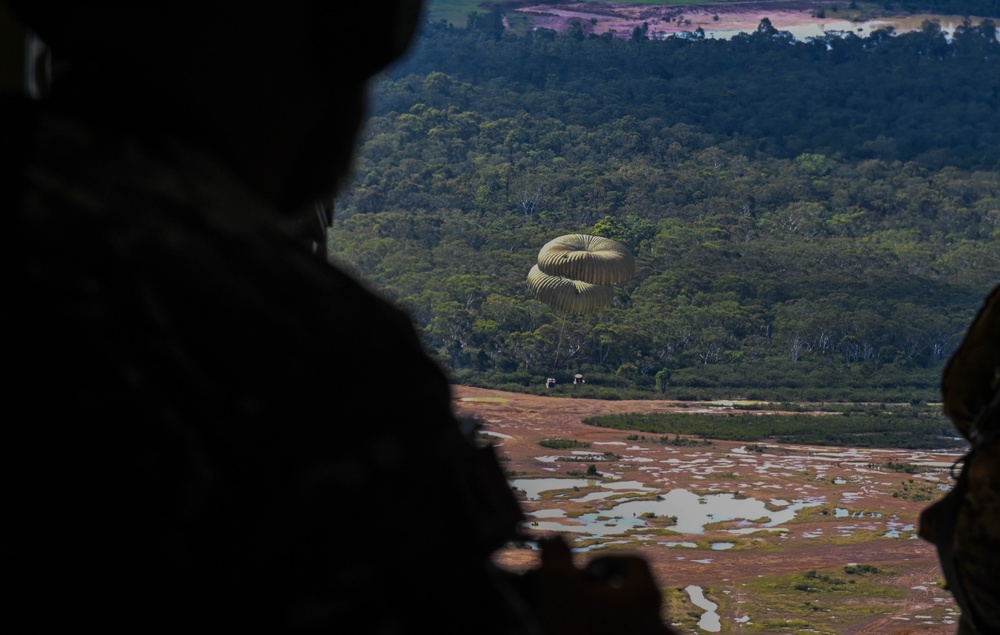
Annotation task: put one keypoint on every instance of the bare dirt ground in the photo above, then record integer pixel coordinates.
(859, 514)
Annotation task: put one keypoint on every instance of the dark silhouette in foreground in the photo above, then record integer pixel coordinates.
(200, 436)
(965, 524)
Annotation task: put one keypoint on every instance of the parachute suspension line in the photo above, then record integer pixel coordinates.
(562, 329)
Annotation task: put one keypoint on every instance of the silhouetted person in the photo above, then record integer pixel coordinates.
(195, 438)
(965, 524)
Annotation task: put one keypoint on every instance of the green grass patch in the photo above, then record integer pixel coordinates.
(896, 466)
(854, 537)
(681, 613)
(910, 428)
(825, 601)
(862, 569)
(684, 442)
(721, 525)
(917, 491)
(563, 493)
(563, 444)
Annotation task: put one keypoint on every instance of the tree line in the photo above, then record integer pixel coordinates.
(914, 429)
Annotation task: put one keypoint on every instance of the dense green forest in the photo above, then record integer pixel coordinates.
(811, 220)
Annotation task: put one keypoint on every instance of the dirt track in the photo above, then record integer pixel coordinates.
(840, 478)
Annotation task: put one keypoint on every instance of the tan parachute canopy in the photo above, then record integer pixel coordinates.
(591, 259)
(575, 272)
(569, 296)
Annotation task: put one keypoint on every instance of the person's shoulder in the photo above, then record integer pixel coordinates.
(133, 230)
(17, 125)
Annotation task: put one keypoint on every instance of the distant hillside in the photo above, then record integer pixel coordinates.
(811, 220)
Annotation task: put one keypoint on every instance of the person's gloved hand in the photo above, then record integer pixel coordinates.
(611, 594)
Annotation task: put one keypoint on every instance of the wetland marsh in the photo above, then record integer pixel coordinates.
(767, 532)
